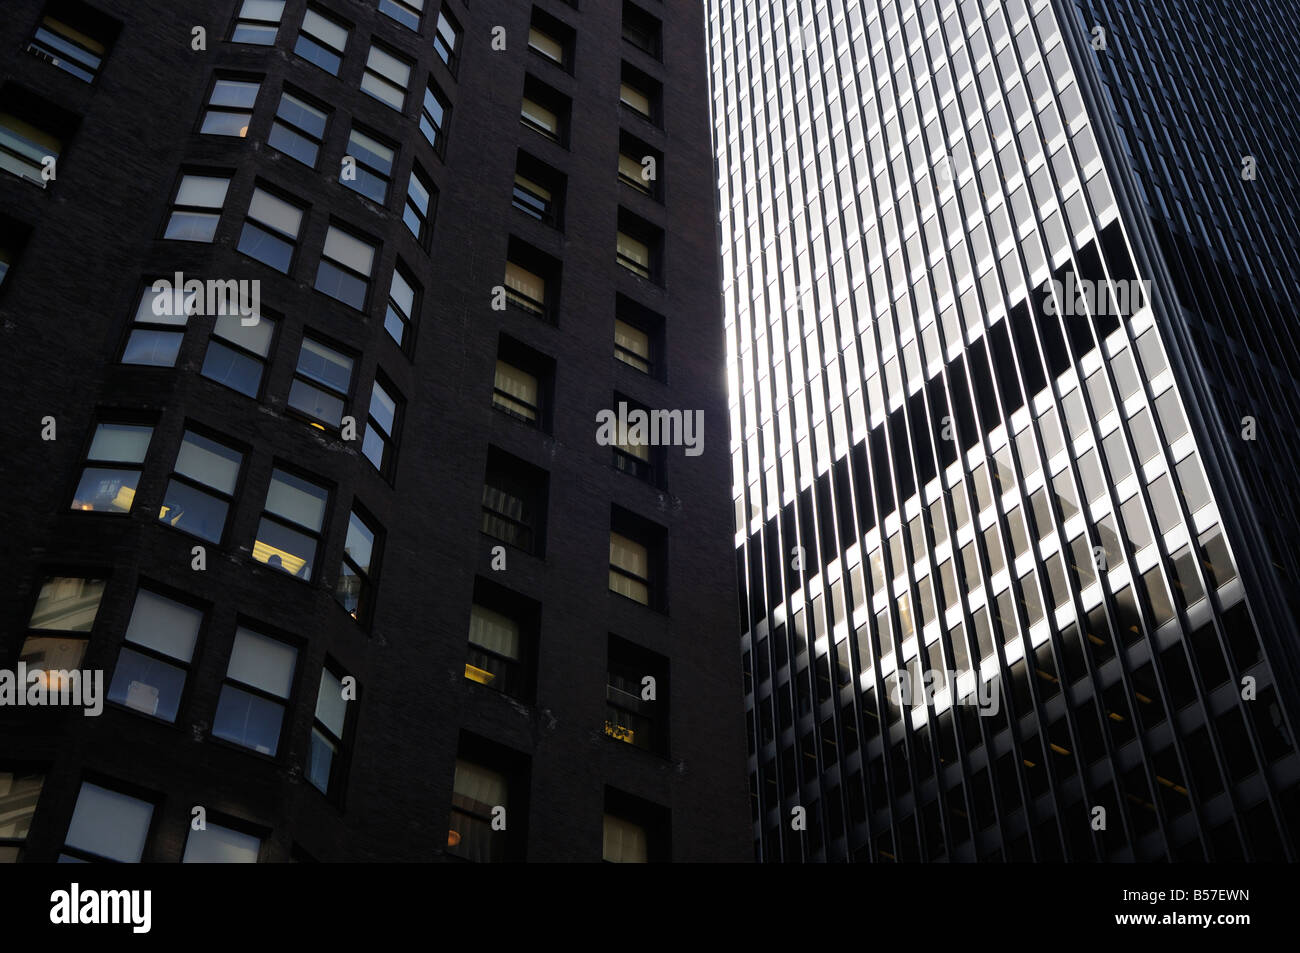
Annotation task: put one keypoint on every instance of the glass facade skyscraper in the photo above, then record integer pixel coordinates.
(1012, 399)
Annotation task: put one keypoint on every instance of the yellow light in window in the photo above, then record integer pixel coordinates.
(287, 561)
(620, 732)
(475, 674)
(453, 838)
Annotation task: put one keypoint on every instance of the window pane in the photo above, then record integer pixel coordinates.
(541, 116)
(208, 462)
(102, 490)
(296, 499)
(275, 213)
(164, 625)
(326, 30)
(248, 720)
(331, 708)
(193, 511)
(326, 365)
(220, 845)
(147, 685)
(202, 191)
(67, 604)
(109, 824)
(349, 251)
(152, 348)
(625, 842)
(494, 632)
(120, 443)
(360, 543)
(285, 549)
(262, 662)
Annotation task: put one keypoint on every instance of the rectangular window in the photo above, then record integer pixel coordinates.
(418, 213)
(230, 107)
(20, 789)
(24, 148)
(639, 165)
(258, 22)
(358, 576)
(237, 353)
(539, 190)
(159, 327)
(112, 468)
(386, 78)
(630, 172)
(502, 638)
(156, 654)
(373, 169)
(514, 502)
(107, 825)
(321, 41)
(402, 302)
(381, 426)
(298, 129)
(405, 12)
(632, 346)
(551, 39)
(292, 524)
(630, 716)
(525, 289)
(217, 844)
(433, 118)
(624, 842)
(196, 209)
(639, 93)
(270, 232)
(635, 456)
(446, 40)
(629, 568)
(476, 792)
(634, 255)
(327, 758)
(73, 37)
(641, 29)
(516, 392)
(258, 682)
(345, 267)
(539, 41)
(59, 625)
(636, 831)
(201, 487)
(541, 119)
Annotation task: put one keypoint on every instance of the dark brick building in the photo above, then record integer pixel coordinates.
(359, 573)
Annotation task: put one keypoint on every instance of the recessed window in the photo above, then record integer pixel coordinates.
(345, 268)
(196, 209)
(20, 790)
(638, 334)
(632, 346)
(270, 231)
(382, 422)
(639, 165)
(418, 212)
(446, 40)
(327, 758)
(373, 167)
(386, 77)
(434, 116)
(477, 793)
(293, 520)
(624, 842)
(156, 654)
(358, 575)
(636, 831)
(403, 297)
(159, 327)
(299, 128)
(107, 825)
(73, 37)
(237, 353)
(539, 190)
(521, 383)
(258, 682)
(33, 133)
(321, 41)
(545, 111)
(639, 246)
(322, 382)
(230, 107)
(218, 844)
(405, 12)
(258, 22)
(633, 453)
(636, 696)
(112, 468)
(639, 93)
(502, 636)
(530, 280)
(642, 30)
(551, 39)
(201, 487)
(65, 612)
(514, 502)
(515, 391)
(636, 549)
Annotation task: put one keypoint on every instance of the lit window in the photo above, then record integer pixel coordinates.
(539, 190)
(625, 842)
(381, 427)
(321, 41)
(538, 117)
(230, 108)
(418, 212)
(476, 792)
(516, 392)
(156, 655)
(201, 487)
(433, 117)
(634, 457)
(237, 353)
(159, 327)
(293, 519)
(325, 760)
(525, 290)
(258, 22)
(270, 231)
(533, 199)
(495, 650)
(63, 617)
(405, 12)
(401, 308)
(634, 255)
(629, 568)
(298, 129)
(446, 40)
(196, 210)
(629, 716)
(107, 825)
(19, 792)
(636, 100)
(259, 679)
(545, 44)
(386, 78)
(76, 47)
(355, 591)
(345, 266)
(632, 172)
(216, 844)
(25, 149)
(112, 470)
(632, 346)
(373, 166)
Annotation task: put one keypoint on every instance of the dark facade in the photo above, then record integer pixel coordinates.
(1014, 398)
(425, 592)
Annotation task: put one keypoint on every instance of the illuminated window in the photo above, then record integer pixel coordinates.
(345, 268)
(258, 682)
(20, 789)
(73, 37)
(634, 255)
(522, 383)
(107, 826)
(270, 231)
(525, 290)
(112, 471)
(293, 519)
(551, 39)
(322, 383)
(217, 844)
(237, 353)
(636, 696)
(639, 93)
(624, 842)
(632, 346)
(298, 129)
(355, 590)
(633, 453)
(60, 623)
(479, 795)
(540, 118)
(156, 654)
(230, 108)
(386, 77)
(494, 649)
(538, 191)
(196, 210)
(201, 487)
(327, 759)
(545, 111)
(258, 22)
(321, 41)
(159, 327)
(515, 391)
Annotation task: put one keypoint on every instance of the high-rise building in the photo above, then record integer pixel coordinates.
(1013, 397)
(362, 574)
